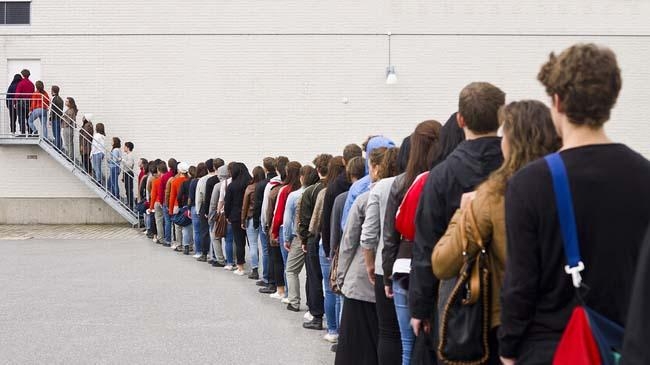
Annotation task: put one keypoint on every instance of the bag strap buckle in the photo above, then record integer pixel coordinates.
(575, 273)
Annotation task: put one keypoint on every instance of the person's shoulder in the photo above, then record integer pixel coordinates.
(532, 172)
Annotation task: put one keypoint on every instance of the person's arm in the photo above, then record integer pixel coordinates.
(168, 190)
(278, 213)
(228, 201)
(245, 206)
(222, 196)
(287, 220)
(326, 217)
(392, 238)
(257, 207)
(520, 285)
(306, 211)
(370, 233)
(350, 242)
(335, 229)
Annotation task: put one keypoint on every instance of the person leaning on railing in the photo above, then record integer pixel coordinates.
(85, 142)
(68, 126)
(56, 115)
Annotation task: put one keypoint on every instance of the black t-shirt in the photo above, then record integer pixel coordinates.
(610, 186)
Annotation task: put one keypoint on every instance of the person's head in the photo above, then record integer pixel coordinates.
(117, 143)
(388, 166)
(335, 168)
(425, 149)
(478, 106)
(217, 162)
(201, 170)
(162, 167)
(281, 166)
(356, 168)
(40, 87)
(222, 173)
(17, 78)
(258, 174)
(183, 168)
(55, 90)
(403, 157)
(307, 174)
(583, 82)
(99, 128)
(209, 165)
(25, 73)
(528, 134)
(374, 161)
(351, 151)
(321, 162)
(128, 147)
(142, 162)
(230, 167)
(269, 165)
(172, 164)
(450, 137)
(191, 171)
(293, 175)
(153, 167)
(70, 103)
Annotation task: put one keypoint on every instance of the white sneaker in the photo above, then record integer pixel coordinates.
(276, 296)
(174, 246)
(285, 301)
(308, 317)
(331, 337)
(228, 267)
(196, 255)
(239, 272)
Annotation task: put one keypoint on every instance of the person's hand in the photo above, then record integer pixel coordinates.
(243, 227)
(389, 291)
(467, 199)
(418, 324)
(371, 274)
(506, 361)
(304, 248)
(287, 246)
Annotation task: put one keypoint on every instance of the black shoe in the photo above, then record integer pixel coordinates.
(333, 348)
(254, 275)
(167, 245)
(150, 235)
(314, 324)
(261, 283)
(186, 250)
(268, 290)
(218, 264)
(292, 308)
(203, 258)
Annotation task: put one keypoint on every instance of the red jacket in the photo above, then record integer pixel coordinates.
(278, 216)
(163, 185)
(25, 89)
(405, 217)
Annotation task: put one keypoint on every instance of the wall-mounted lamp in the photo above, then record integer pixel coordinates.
(391, 75)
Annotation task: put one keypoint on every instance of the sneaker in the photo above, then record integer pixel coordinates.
(218, 264)
(292, 308)
(254, 275)
(261, 283)
(228, 267)
(174, 246)
(308, 317)
(267, 290)
(315, 324)
(239, 272)
(276, 296)
(202, 258)
(167, 244)
(331, 337)
(196, 255)
(333, 348)
(285, 301)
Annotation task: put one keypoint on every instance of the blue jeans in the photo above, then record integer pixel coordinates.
(113, 185)
(187, 233)
(264, 242)
(229, 244)
(253, 234)
(404, 319)
(56, 130)
(147, 221)
(168, 224)
(97, 166)
(196, 226)
(332, 301)
(41, 114)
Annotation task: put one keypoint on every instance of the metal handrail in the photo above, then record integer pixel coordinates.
(77, 164)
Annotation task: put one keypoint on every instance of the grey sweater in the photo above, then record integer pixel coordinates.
(372, 237)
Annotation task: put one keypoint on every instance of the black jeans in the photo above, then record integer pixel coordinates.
(389, 345)
(277, 267)
(239, 236)
(128, 186)
(23, 114)
(314, 282)
(13, 116)
(204, 229)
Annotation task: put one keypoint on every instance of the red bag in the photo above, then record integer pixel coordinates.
(405, 217)
(577, 335)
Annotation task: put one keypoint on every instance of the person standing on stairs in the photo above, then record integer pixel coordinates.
(127, 177)
(85, 142)
(12, 105)
(24, 91)
(114, 163)
(38, 108)
(97, 152)
(67, 127)
(56, 114)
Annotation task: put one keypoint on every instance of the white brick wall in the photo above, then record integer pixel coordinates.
(192, 88)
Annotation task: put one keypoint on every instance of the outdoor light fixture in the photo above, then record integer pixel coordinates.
(391, 75)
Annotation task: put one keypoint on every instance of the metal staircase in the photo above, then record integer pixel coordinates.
(70, 160)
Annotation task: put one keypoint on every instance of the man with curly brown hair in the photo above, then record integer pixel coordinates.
(611, 200)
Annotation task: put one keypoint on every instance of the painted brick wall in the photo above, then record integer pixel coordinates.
(188, 79)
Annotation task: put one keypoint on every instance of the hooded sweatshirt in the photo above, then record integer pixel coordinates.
(465, 168)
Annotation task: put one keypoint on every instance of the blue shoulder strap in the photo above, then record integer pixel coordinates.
(564, 203)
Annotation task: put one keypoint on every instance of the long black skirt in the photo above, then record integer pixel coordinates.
(357, 334)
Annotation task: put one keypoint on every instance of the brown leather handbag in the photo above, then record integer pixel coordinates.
(221, 225)
(463, 305)
(333, 269)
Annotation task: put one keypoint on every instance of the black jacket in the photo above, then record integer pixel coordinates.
(635, 348)
(465, 168)
(334, 188)
(259, 198)
(209, 187)
(307, 204)
(57, 108)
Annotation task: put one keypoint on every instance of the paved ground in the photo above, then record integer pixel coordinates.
(129, 301)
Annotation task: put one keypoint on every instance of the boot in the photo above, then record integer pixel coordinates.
(186, 250)
(254, 275)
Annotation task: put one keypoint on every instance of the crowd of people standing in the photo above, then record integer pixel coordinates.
(29, 102)
(383, 231)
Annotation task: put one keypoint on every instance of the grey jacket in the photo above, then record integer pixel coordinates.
(351, 275)
(372, 237)
(222, 172)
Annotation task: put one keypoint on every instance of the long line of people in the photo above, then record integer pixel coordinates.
(29, 102)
